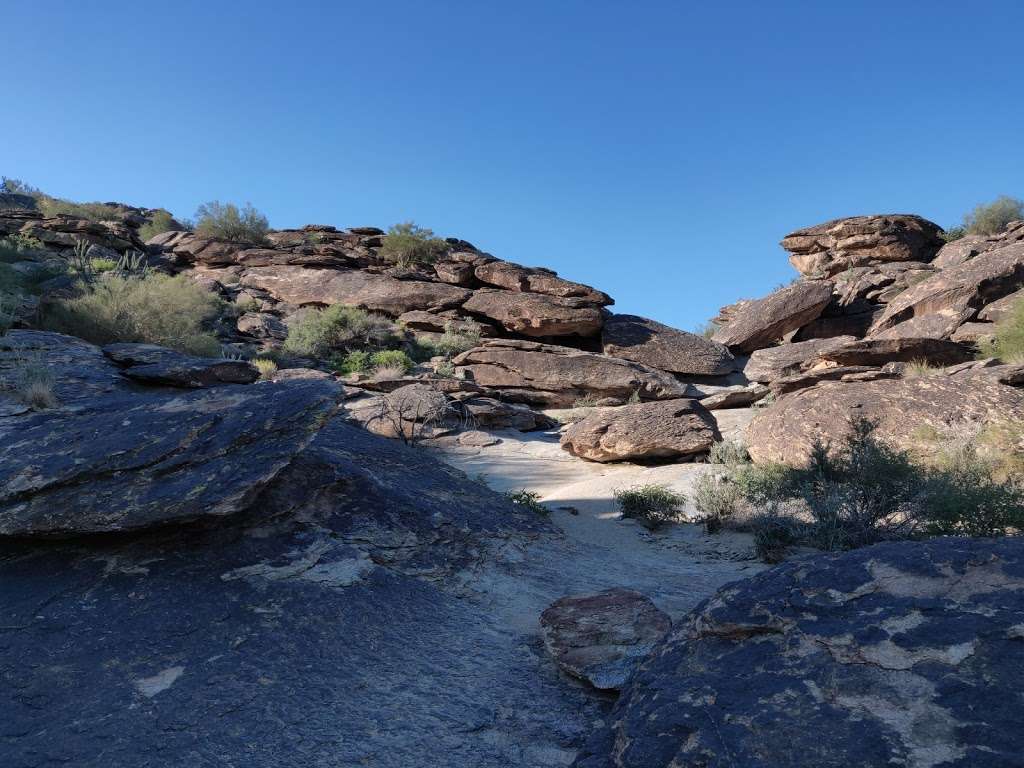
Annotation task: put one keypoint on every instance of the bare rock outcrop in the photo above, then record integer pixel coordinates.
(757, 324)
(773, 363)
(660, 346)
(536, 314)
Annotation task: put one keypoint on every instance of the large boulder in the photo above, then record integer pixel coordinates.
(786, 430)
(668, 349)
(832, 247)
(602, 638)
(669, 429)
(536, 314)
(154, 364)
(554, 376)
(936, 306)
(881, 351)
(514, 277)
(898, 654)
(773, 363)
(379, 293)
(760, 323)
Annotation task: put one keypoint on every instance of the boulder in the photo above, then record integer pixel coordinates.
(645, 341)
(431, 322)
(881, 351)
(668, 429)
(554, 376)
(904, 653)
(602, 638)
(379, 293)
(1000, 309)
(488, 413)
(961, 250)
(154, 364)
(738, 396)
(973, 333)
(786, 430)
(535, 314)
(773, 363)
(514, 277)
(760, 323)
(262, 325)
(954, 295)
(832, 247)
(813, 377)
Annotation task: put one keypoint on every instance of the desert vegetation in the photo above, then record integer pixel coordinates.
(653, 505)
(407, 244)
(227, 221)
(1007, 343)
(159, 222)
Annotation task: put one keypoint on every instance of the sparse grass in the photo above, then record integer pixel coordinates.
(388, 372)
(227, 221)
(952, 234)
(407, 244)
(586, 401)
(454, 341)
(267, 368)
(528, 499)
(992, 218)
(157, 309)
(159, 222)
(336, 330)
(652, 505)
(707, 330)
(32, 383)
(1007, 343)
(917, 369)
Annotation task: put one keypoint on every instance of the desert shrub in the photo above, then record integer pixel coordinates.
(953, 233)
(53, 206)
(528, 499)
(336, 330)
(1007, 343)
(392, 359)
(354, 362)
(634, 398)
(159, 222)
(454, 341)
(717, 498)
(18, 247)
(445, 369)
(267, 368)
(101, 265)
(10, 186)
(157, 309)
(229, 222)
(588, 400)
(917, 369)
(652, 505)
(992, 218)
(708, 329)
(407, 244)
(246, 305)
(728, 452)
(32, 383)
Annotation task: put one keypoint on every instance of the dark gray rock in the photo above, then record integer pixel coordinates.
(660, 346)
(153, 364)
(898, 654)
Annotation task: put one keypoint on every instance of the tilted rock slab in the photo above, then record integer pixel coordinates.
(554, 376)
(668, 429)
(785, 431)
(774, 363)
(535, 314)
(908, 653)
(660, 346)
(881, 351)
(154, 364)
(830, 248)
(602, 638)
(514, 277)
(760, 323)
(938, 305)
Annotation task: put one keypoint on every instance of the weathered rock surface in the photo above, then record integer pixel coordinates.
(758, 324)
(954, 295)
(786, 430)
(1000, 309)
(897, 654)
(602, 638)
(773, 363)
(739, 396)
(153, 364)
(514, 277)
(881, 351)
(668, 349)
(534, 314)
(545, 374)
(379, 293)
(829, 248)
(668, 429)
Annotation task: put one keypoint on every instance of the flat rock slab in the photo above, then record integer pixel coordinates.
(129, 461)
(661, 430)
(154, 364)
(660, 346)
(602, 638)
(899, 654)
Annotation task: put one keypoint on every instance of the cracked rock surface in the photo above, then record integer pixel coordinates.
(906, 654)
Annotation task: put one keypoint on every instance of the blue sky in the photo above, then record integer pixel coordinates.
(657, 150)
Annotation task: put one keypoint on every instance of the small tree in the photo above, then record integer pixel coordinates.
(992, 218)
(407, 244)
(227, 222)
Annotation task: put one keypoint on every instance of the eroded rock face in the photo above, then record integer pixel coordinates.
(514, 277)
(534, 314)
(757, 324)
(602, 638)
(941, 303)
(554, 376)
(785, 431)
(896, 654)
(153, 364)
(829, 248)
(660, 346)
(669, 429)
(881, 351)
(773, 363)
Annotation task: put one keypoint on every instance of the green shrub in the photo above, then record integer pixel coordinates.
(445, 369)
(52, 206)
(159, 222)
(717, 498)
(267, 368)
(392, 359)
(528, 499)
(652, 505)
(227, 222)
(953, 233)
(992, 218)
(728, 452)
(1007, 343)
(157, 309)
(336, 330)
(455, 340)
(18, 247)
(407, 244)
(18, 187)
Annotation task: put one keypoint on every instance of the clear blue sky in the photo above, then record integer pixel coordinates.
(658, 150)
